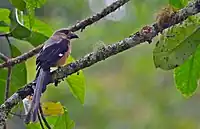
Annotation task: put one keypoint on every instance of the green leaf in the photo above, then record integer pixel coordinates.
(3, 24)
(62, 122)
(187, 75)
(19, 4)
(36, 38)
(19, 73)
(56, 122)
(17, 29)
(4, 13)
(39, 27)
(18, 78)
(2, 88)
(23, 47)
(31, 5)
(4, 47)
(76, 83)
(4, 20)
(40, 32)
(178, 3)
(176, 45)
(33, 126)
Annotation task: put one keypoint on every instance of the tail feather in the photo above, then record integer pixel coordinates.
(38, 93)
(41, 82)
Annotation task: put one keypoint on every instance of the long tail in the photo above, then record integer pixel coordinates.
(41, 82)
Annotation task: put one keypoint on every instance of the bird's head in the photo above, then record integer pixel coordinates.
(68, 33)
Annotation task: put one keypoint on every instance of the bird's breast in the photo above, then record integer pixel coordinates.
(62, 61)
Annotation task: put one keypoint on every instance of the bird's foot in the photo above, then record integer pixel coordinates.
(56, 82)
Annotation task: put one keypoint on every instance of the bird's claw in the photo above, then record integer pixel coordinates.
(83, 28)
(56, 82)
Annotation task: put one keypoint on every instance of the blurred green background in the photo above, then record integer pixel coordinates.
(125, 91)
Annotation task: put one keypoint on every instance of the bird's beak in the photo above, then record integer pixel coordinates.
(72, 35)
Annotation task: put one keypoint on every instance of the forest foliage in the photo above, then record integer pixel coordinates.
(177, 49)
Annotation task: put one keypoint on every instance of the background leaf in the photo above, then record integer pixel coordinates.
(18, 78)
(62, 122)
(187, 75)
(52, 108)
(40, 32)
(33, 126)
(4, 20)
(17, 29)
(176, 45)
(5, 49)
(178, 3)
(39, 27)
(31, 5)
(76, 83)
(56, 122)
(19, 4)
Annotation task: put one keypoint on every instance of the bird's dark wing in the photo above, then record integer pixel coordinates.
(54, 51)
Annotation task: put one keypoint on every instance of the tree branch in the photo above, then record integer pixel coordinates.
(99, 55)
(78, 26)
(3, 57)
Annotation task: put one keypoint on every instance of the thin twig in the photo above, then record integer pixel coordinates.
(78, 26)
(21, 116)
(109, 9)
(7, 88)
(5, 34)
(3, 57)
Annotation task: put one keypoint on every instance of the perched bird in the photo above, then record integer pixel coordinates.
(54, 53)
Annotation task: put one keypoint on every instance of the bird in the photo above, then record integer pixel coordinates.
(54, 53)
